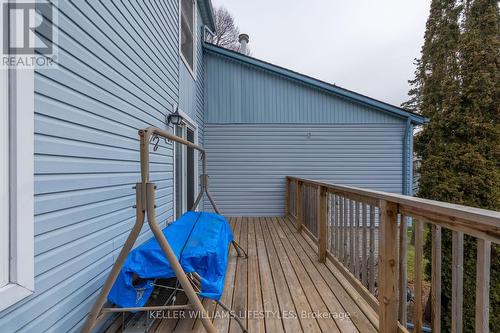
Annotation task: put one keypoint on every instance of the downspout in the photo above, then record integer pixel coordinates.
(410, 160)
(205, 30)
(407, 158)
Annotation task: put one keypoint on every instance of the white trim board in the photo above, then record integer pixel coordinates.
(4, 174)
(20, 107)
(188, 123)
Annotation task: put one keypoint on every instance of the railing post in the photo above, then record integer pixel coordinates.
(300, 211)
(322, 210)
(388, 268)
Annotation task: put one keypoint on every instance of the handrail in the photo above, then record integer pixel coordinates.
(484, 222)
(359, 229)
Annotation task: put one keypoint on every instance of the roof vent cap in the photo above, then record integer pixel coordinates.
(244, 39)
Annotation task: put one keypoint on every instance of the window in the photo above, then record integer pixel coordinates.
(16, 182)
(188, 33)
(186, 169)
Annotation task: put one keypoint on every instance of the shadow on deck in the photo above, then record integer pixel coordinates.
(281, 287)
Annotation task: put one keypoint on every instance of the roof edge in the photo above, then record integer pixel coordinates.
(336, 90)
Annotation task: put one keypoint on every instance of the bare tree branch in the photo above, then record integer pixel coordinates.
(226, 31)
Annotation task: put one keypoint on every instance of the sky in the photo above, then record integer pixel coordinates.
(367, 46)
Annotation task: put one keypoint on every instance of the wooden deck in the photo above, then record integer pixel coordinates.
(280, 287)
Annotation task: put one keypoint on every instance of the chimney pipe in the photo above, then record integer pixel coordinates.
(244, 39)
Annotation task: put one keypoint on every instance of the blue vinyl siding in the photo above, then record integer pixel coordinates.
(118, 72)
(241, 93)
(248, 163)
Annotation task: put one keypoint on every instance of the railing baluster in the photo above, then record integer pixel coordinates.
(483, 286)
(342, 227)
(321, 215)
(333, 234)
(419, 249)
(328, 220)
(364, 264)
(352, 204)
(403, 274)
(356, 240)
(436, 279)
(314, 194)
(287, 196)
(388, 272)
(300, 208)
(457, 282)
(338, 217)
(310, 203)
(305, 201)
(372, 249)
(346, 231)
(305, 205)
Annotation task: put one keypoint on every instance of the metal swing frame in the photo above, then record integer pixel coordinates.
(145, 207)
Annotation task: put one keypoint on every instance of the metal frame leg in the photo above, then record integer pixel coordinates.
(174, 263)
(235, 317)
(117, 266)
(239, 250)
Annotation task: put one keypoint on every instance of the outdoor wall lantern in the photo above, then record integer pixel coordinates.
(175, 118)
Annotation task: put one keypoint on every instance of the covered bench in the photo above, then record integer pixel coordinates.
(196, 246)
(200, 242)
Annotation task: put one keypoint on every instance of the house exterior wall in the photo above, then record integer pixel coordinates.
(248, 163)
(118, 72)
(261, 127)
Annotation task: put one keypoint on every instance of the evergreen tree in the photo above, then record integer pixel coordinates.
(479, 134)
(457, 86)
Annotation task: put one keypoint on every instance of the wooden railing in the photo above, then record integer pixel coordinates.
(364, 234)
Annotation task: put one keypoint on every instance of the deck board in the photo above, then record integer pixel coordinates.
(255, 323)
(280, 281)
(269, 296)
(329, 298)
(222, 323)
(298, 293)
(241, 280)
(306, 283)
(285, 301)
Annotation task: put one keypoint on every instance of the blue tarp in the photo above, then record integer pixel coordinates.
(199, 239)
